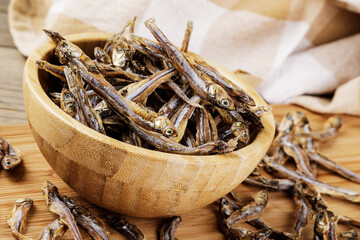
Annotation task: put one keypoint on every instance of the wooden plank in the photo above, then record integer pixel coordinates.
(11, 99)
(4, 6)
(5, 36)
(27, 179)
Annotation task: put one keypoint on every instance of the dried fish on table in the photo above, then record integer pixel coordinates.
(167, 230)
(17, 219)
(125, 227)
(353, 234)
(54, 230)
(250, 211)
(57, 206)
(93, 225)
(9, 156)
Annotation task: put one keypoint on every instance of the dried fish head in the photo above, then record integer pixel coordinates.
(119, 57)
(50, 192)
(287, 123)
(10, 161)
(333, 122)
(66, 50)
(241, 130)
(166, 127)
(218, 95)
(69, 202)
(300, 119)
(67, 102)
(261, 198)
(322, 222)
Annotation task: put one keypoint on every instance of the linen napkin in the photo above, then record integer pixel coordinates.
(297, 51)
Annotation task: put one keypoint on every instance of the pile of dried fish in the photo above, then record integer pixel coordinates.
(72, 214)
(9, 156)
(296, 141)
(167, 99)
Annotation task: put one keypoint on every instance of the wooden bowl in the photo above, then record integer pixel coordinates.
(121, 177)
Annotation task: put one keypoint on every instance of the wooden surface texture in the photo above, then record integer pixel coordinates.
(11, 68)
(27, 179)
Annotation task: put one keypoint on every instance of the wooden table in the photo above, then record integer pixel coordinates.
(27, 180)
(11, 69)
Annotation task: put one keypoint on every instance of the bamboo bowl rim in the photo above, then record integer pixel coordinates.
(34, 84)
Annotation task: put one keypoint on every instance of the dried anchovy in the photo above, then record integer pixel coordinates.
(57, 206)
(125, 227)
(17, 219)
(54, 230)
(9, 156)
(167, 231)
(87, 220)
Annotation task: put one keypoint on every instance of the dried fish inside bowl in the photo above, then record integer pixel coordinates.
(146, 84)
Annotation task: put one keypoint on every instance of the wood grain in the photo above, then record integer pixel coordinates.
(26, 181)
(11, 68)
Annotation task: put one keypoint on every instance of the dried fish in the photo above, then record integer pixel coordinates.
(353, 234)
(125, 227)
(17, 219)
(333, 166)
(250, 211)
(204, 87)
(54, 230)
(57, 206)
(322, 226)
(167, 231)
(9, 156)
(93, 225)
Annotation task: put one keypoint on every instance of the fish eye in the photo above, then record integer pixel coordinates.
(244, 135)
(8, 163)
(225, 103)
(64, 45)
(169, 132)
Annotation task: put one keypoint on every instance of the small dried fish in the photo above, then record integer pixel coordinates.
(204, 87)
(17, 219)
(353, 234)
(125, 227)
(333, 166)
(185, 43)
(54, 230)
(167, 231)
(93, 225)
(271, 184)
(9, 156)
(319, 186)
(92, 117)
(331, 127)
(57, 71)
(250, 211)
(57, 206)
(322, 226)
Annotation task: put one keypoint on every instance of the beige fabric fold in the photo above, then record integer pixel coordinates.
(292, 48)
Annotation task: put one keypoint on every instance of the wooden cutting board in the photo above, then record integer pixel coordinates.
(27, 180)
